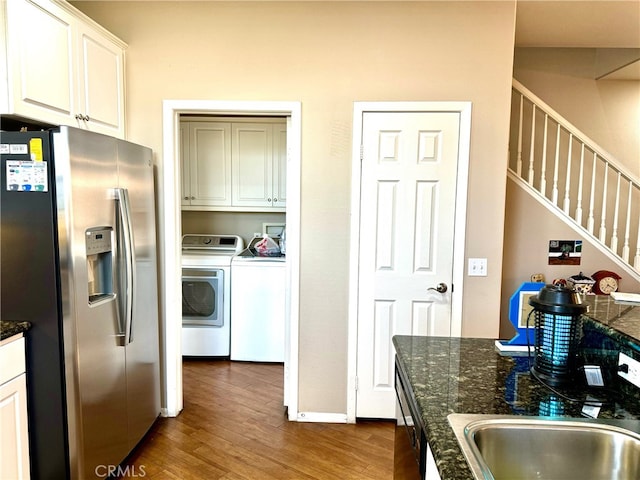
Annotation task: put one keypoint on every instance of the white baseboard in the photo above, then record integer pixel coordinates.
(319, 417)
(164, 412)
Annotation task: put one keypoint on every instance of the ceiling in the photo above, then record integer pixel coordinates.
(578, 23)
(611, 26)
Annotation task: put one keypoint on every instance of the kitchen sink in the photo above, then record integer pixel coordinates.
(504, 447)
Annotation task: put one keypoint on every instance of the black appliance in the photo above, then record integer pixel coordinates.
(557, 312)
(410, 445)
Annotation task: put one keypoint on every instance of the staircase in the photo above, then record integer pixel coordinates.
(576, 178)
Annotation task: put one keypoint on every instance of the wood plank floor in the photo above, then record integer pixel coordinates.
(233, 427)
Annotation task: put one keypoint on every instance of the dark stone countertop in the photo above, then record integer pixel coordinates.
(620, 321)
(467, 375)
(9, 329)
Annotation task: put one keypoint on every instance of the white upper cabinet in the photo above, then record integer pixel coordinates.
(234, 165)
(62, 68)
(279, 185)
(101, 82)
(259, 165)
(206, 165)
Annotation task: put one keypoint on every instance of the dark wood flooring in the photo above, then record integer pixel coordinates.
(233, 427)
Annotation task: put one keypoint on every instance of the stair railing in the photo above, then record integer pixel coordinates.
(575, 174)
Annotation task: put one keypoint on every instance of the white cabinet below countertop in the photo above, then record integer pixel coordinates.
(62, 68)
(14, 436)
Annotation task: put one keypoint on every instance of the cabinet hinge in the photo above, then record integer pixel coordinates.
(361, 152)
(356, 383)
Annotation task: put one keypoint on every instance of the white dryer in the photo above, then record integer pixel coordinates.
(206, 293)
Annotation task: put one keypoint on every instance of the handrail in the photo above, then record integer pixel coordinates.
(583, 176)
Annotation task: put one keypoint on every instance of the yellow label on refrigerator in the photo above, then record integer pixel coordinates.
(35, 148)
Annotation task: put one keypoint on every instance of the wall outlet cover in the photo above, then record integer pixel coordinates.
(631, 373)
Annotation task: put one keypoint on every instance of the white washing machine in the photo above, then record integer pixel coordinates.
(206, 293)
(258, 307)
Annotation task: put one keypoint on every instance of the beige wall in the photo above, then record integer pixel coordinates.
(246, 225)
(608, 111)
(328, 55)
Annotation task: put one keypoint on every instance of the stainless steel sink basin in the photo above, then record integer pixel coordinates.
(513, 447)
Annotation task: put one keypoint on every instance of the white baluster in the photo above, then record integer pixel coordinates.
(616, 209)
(554, 191)
(636, 259)
(532, 144)
(603, 219)
(625, 246)
(590, 219)
(519, 157)
(580, 181)
(543, 173)
(567, 184)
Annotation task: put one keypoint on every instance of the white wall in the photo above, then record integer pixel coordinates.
(328, 55)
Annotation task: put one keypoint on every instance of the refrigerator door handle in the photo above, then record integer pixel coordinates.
(125, 239)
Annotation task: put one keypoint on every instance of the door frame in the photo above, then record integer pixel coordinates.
(359, 109)
(170, 230)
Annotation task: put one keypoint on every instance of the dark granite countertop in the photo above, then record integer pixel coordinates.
(619, 320)
(467, 375)
(9, 329)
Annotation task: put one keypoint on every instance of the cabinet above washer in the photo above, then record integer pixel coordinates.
(234, 164)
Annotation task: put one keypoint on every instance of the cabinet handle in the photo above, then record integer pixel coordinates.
(79, 116)
(193, 198)
(186, 198)
(86, 118)
(275, 200)
(269, 200)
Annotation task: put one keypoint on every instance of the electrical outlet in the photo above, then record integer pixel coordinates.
(629, 369)
(477, 267)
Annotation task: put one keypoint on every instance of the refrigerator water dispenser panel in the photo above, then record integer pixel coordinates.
(99, 264)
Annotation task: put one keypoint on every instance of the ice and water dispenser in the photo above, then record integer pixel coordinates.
(99, 263)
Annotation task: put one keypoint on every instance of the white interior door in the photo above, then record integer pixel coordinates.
(407, 219)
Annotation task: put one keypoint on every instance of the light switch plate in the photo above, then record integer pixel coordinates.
(477, 267)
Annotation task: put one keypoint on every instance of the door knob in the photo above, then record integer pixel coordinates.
(441, 288)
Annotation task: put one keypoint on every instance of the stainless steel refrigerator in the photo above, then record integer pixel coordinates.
(78, 261)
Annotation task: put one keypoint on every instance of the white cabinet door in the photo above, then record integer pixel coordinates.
(40, 59)
(101, 82)
(62, 69)
(280, 165)
(185, 174)
(14, 430)
(14, 454)
(210, 163)
(252, 161)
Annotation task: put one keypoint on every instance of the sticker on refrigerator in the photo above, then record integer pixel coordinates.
(18, 149)
(35, 146)
(26, 176)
